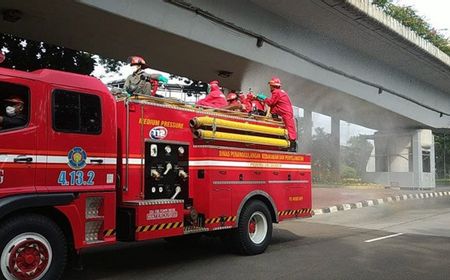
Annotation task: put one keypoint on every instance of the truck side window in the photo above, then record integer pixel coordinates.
(14, 106)
(76, 112)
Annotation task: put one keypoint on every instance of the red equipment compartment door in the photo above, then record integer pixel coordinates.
(220, 196)
(81, 141)
(18, 157)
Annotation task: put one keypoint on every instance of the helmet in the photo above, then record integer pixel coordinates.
(250, 96)
(2, 57)
(214, 85)
(232, 96)
(15, 99)
(137, 60)
(275, 82)
(215, 82)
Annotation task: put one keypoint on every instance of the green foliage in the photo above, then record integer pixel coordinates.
(111, 65)
(356, 154)
(28, 55)
(348, 172)
(443, 182)
(442, 158)
(409, 17)
(324, 151)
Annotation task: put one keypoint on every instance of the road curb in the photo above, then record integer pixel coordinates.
(378, 201)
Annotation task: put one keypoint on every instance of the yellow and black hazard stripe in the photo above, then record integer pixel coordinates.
(294, 212)
(109, 232)
(222, 219)
(159, 227)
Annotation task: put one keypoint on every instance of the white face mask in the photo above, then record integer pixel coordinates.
(10, 111)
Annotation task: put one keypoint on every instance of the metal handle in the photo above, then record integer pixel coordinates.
(99, 161)
(23, 159)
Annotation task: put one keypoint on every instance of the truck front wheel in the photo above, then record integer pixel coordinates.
(254, 230)
(32, 247)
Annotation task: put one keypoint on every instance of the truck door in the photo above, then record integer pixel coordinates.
(18, 130)
(81, 141)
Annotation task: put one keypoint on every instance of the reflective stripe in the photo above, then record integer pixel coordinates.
(138, 161)
(288, 181)
(248, 164)
(53, 159)
(9, 158)
(133, 161)
(237, 182)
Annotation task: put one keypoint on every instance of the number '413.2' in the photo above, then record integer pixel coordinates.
(76, 178)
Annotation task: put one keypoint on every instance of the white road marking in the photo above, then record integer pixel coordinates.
(383, 237)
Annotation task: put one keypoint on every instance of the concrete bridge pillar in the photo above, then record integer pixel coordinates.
(423, 159)
(335, 138)
(404, 159)
(305, 132)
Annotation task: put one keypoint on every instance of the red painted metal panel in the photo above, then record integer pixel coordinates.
(77, 217)
(156, 221)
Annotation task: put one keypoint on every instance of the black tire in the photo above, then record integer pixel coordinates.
(244, 242)
(28, 235)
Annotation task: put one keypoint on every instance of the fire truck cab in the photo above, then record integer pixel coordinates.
(87, 169)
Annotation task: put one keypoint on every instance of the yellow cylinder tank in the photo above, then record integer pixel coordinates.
(232, 137)
(208, 121)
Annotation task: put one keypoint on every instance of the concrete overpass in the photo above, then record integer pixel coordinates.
(341, 58)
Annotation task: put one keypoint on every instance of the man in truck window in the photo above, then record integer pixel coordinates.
(14, 113)
(280, 104)
(140, 82)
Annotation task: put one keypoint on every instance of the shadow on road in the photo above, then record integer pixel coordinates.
(159, 255)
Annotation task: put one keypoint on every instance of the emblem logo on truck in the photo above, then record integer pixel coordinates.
(77, 158)
(158, 133)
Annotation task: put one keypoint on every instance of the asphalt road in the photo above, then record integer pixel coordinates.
(342, 245)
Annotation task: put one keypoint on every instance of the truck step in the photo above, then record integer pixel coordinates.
(153, 202)
(194, 229)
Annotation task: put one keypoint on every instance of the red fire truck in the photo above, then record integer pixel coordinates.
(88, 169)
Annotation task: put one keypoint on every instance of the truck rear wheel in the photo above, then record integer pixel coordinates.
(254, 230)
(32, 247)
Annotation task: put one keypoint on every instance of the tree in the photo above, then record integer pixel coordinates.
(442, 151)
(324, 152)
(409, 17)
(28, 55)
(357, 154)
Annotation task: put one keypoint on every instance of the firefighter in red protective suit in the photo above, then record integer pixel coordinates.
(234, 102)
(254, 105)
(280, 105)
(215, 97)
(247, 103)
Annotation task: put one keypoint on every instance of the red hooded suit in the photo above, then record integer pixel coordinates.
(280, 104)
(215, 98)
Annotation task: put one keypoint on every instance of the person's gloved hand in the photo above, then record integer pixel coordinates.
(163, 79)
(261, 96)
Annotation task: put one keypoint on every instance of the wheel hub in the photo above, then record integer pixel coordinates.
(257, 227)
(27, 257)
(252, 227)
